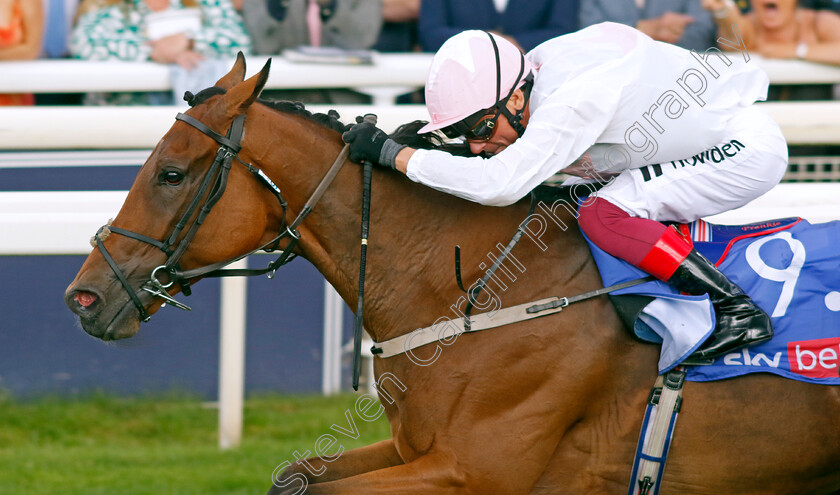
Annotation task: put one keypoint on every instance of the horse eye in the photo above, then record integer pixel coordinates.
(171, 177)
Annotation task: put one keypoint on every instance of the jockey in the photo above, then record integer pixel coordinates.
(675, 132)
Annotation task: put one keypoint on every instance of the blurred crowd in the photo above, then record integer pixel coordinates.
(194, 36)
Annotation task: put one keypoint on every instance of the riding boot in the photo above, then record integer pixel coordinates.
(739, 321)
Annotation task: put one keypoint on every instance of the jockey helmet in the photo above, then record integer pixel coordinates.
(473, 71)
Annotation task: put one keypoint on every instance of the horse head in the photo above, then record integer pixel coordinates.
(154, 246)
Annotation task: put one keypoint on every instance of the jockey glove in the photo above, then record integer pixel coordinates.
(368, 142)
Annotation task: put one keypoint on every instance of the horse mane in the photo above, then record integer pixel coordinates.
(328, 120)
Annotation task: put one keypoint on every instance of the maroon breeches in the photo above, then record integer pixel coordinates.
(616, 232)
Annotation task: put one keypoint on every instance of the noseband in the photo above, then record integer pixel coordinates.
(217, 175)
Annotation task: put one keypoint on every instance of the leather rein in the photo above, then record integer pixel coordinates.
(217, 175)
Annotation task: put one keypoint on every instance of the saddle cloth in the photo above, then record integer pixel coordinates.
(789, 267)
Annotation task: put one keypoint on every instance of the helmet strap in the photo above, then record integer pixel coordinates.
(515, 120)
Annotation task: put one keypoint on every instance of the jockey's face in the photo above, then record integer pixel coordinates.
(504, 134)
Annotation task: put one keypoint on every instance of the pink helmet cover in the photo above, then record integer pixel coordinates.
(462, 77)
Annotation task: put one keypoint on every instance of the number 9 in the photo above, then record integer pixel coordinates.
(787, 276)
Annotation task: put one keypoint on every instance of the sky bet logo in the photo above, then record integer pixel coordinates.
(746, 358)
(815, 358)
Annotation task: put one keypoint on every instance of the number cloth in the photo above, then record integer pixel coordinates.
(788, 267)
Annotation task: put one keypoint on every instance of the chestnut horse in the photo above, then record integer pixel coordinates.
(546, 406)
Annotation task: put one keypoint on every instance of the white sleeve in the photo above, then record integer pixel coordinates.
(559, 131)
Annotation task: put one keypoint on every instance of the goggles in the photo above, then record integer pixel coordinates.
(479, 126)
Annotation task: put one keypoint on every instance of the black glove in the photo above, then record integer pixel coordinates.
(359, 120)
(368, 142)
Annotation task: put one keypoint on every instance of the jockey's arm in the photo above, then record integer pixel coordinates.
(402, 159)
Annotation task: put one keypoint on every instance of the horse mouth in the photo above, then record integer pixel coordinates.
(125, 324)
(105, 325)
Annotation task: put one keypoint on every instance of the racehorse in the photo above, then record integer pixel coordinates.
(546, 406)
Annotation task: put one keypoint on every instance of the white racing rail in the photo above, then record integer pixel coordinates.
(401, 71)
(120, 128)
(390, 75)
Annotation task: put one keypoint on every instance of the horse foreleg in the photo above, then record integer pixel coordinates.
(304, 472)
(438, 474)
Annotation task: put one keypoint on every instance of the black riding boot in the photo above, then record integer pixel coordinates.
(739, 321)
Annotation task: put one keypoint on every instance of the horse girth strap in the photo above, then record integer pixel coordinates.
(474, 291)
(446, 330)
(664, 404)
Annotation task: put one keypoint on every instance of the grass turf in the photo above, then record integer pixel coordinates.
(110, 445)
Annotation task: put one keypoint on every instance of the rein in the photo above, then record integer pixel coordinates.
(229, 147)
(360, 305)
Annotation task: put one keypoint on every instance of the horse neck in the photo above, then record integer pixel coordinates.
(296, 153)
(410, 276)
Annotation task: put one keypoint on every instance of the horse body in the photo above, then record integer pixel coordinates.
(551, 405)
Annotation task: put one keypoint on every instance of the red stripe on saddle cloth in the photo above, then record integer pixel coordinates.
(758, 233)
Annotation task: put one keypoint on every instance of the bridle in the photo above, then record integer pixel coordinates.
(215, 180)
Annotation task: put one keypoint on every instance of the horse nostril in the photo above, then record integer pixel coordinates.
(85, 303)
(85, 299)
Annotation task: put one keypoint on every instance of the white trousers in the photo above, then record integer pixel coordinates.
(748, 163)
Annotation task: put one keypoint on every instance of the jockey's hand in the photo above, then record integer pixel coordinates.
(368, 142)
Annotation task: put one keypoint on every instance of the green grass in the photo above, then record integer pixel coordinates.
(109, 445)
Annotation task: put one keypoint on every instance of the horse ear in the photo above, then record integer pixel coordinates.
(236, 74)
(241, 96)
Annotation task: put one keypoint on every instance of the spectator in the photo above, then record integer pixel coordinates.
(680, 22)
(399, 29)
(780, 29)
(833, 5)
(21, 29)
(58, 24)
(526, 23)
(275, 25)
(399, 34)
(191, 34)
